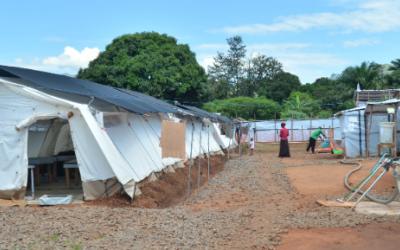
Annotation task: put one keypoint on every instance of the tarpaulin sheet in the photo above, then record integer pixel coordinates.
(83, 91)
(299, 130)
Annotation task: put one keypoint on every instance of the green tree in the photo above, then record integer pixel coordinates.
(395, 65)
(369, 75)
(260, 71)
(245, 107)
(300, 105)
(330, 93)
(280, 86)
(151, 63)
(227, 69)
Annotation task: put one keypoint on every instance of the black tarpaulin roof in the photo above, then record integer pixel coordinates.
(204, 114)
(84, 91)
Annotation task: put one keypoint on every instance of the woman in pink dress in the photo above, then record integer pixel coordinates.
(284, 145)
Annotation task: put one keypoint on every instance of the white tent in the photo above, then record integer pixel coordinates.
(115, 134)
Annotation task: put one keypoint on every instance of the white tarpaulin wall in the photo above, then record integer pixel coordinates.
(353, 132)
(200, 137)
(138, 140)
(17, 106)
(352, 122)
(106, 145)
(299, 130)
(224, 141)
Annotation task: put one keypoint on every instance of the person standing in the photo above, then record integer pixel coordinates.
(313, 138)
(284, 144)
(252, 145)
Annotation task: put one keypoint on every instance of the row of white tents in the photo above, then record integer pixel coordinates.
(115, 134)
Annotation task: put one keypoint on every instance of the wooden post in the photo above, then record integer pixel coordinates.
(366, 133)
(292, 128)
(369, 128)
(395, 130)
(275, 132)
(199, 158)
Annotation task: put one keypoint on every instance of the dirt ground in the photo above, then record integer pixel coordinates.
(255, 202)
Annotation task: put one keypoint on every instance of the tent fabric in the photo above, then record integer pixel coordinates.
(109, 143)
(353, 133)
(299, 130)
(13, 143)
(83, 91)
(64, 140)
(204, 114)
(224, 141)
(353, 136)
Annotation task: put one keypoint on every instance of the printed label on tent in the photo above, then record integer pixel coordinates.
(173, 139)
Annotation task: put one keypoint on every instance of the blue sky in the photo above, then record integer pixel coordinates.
(311, 38)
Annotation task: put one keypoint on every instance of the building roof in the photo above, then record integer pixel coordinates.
(84, 91)
(362, 96)
(375, 107)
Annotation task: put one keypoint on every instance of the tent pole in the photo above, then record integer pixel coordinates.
(369, 125)
(190, 161)
(366, 133)
(199, 158)
(359, 133)
(275, 130)
(240, 141)
(208, 151)
(229, 144)
(395, 129)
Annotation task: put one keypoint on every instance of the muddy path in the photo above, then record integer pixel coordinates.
(255, 202)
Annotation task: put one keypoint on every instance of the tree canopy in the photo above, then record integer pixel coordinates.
(151, 63)
(232, 74)
(245, 107)
(236, 84)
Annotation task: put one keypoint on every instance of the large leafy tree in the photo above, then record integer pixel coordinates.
(259, 74)
(245, 107)
(151, 63)
(331, 94)
(280, 86)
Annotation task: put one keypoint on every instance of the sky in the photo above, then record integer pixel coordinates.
(312, 39)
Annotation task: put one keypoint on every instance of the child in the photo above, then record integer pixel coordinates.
(252, 145)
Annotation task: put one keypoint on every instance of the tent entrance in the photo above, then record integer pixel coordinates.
(52, 164)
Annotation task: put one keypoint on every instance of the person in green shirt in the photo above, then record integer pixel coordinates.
(313, 138)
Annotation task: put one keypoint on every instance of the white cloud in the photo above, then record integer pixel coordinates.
(368, 16)
(360, 42)
(71, 57)
(69, 61)
(310, 66)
